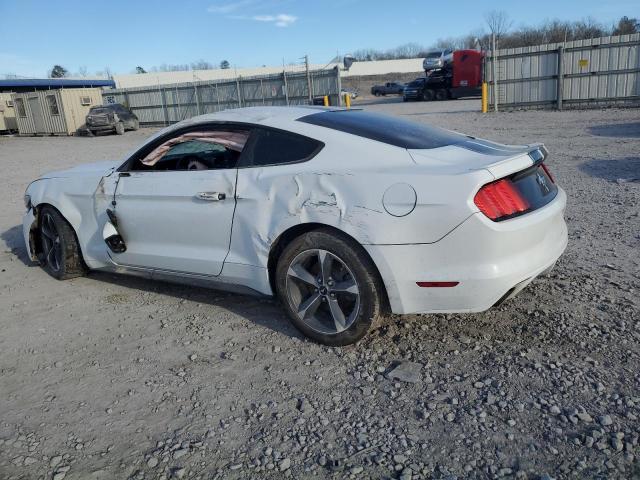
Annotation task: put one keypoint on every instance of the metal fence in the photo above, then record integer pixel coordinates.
(167, 104)
(599, 71)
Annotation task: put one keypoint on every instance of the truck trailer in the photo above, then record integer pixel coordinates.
(455, 75)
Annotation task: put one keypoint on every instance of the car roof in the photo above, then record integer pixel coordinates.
(261, 115)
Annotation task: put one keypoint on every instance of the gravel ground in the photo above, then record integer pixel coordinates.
(115, 377)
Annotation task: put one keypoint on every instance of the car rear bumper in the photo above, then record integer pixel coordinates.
(101, 128)
(491, 261)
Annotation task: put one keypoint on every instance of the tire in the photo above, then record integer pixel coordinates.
(343, 302)
(405, 99)
(60, 254)
(119, 128)
(377, 94)
(427, 95)
(441, 94)
(136, 124)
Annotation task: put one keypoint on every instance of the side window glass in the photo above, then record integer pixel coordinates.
(274, 147)
(205, 150)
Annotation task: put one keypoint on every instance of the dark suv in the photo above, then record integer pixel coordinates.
(111, 118)
(415, 90)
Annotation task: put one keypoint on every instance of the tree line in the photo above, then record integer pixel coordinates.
(58, 71)
(498, 22)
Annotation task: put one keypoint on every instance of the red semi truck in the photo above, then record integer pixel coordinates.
(454, 75)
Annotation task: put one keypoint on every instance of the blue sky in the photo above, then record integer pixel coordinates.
(121, 34)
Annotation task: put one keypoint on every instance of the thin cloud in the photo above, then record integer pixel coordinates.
(230, 7)
(282, 20)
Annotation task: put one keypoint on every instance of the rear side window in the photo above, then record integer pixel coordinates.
(274, 147)
(385, 128)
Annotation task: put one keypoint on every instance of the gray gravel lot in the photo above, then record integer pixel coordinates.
(116, 377)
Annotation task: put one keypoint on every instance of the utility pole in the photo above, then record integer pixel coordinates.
(306, 65)
(494, 74)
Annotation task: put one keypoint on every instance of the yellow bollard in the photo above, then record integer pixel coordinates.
(325, 100)
(485, 97)
(347, 100)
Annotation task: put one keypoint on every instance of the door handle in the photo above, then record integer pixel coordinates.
(211, 196)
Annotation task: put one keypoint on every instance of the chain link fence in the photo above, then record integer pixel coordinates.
(171, 103)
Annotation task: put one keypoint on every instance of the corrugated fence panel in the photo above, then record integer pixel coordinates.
(597, 71)
(166, 104)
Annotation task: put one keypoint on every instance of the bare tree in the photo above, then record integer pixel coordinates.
(82, 71)
(589, 28)
(626, 26)
(202, 65)
(498, 22)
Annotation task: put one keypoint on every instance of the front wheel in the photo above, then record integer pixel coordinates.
(60, 254)
(329, 287)
(119, 128)
(441, 94)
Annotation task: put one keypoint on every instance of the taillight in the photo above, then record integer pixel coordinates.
(546, 170)
(500, 199)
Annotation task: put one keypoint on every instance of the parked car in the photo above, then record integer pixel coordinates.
(414, 89)
(342, 214)
(352, 93)
(389, 88)
(111, 118)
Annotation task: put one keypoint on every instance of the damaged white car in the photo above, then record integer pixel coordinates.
(342, 214)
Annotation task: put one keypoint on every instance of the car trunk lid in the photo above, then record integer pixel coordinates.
(474, 154)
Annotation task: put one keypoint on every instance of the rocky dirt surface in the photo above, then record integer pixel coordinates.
(116, 377)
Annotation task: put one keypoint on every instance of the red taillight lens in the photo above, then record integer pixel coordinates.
(500, 199)
(546, 170)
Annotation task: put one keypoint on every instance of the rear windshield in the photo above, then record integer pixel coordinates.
(101, 110)
(384, 128)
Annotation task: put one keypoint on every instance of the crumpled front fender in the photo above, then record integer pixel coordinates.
(29, 232)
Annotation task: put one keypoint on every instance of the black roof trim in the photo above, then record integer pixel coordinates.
(384, 128)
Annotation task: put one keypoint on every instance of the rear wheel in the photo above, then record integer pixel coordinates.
(329, 287)
(427, 95)
(119, 128)
(60, 253)
(441, 94)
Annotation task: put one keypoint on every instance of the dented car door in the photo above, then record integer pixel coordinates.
(175, 221)
(174, 208)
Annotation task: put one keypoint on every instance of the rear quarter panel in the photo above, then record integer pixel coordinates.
(343, 187)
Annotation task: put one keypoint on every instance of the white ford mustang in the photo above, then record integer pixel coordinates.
(343, 214)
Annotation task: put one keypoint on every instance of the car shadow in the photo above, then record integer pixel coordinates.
(620, 170)
(261, 310)
(15, 243)
(616, 130)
